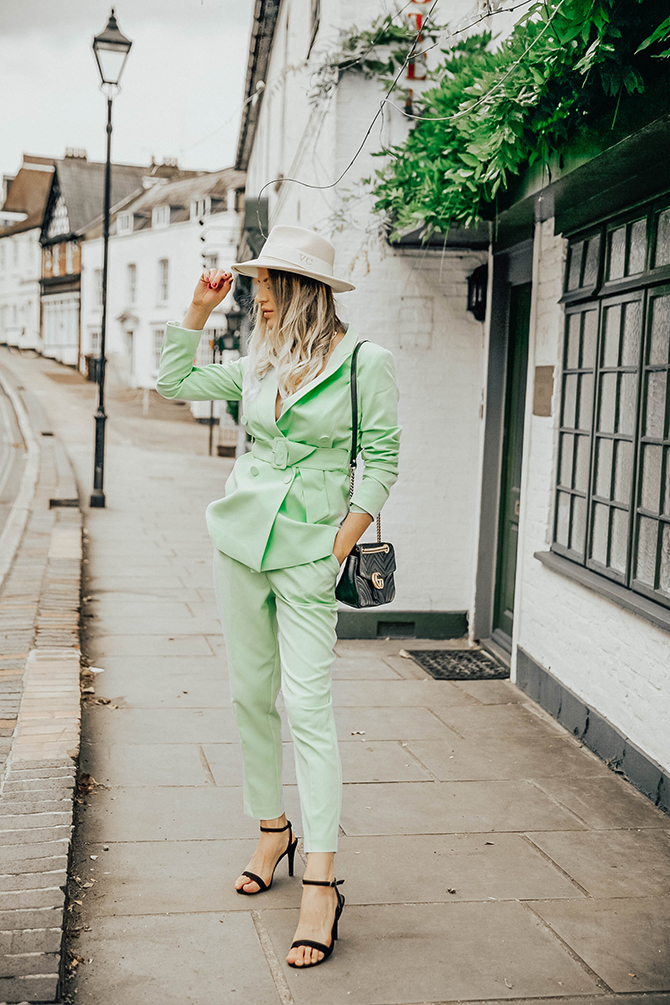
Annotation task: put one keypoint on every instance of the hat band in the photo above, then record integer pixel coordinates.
(299, 258)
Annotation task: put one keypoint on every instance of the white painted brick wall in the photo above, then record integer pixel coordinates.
(616, 662)
(413, 303)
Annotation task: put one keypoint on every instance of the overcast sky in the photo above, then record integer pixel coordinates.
(182, 86)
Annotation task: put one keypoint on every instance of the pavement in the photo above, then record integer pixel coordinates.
(488, 856)
(40, 569)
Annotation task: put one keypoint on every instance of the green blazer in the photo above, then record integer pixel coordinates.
(286, 497)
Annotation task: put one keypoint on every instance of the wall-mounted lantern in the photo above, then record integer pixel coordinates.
(477, 286)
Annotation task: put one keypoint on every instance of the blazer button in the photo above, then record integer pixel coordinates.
(253, 469)
(323, 440)
(243, 420)
(288, 477)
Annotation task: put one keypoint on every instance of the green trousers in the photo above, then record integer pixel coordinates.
(279, 628)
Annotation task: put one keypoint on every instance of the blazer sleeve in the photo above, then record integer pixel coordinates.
(179, 378)
(379, 430)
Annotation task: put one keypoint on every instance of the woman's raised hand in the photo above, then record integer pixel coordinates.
(213, 286)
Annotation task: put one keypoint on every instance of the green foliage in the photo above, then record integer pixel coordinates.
(494, 112)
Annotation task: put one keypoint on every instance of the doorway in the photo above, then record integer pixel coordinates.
(512, 458)
(493, 616)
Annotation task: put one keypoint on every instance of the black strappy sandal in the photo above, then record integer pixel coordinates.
(326, 950)
(290, 851)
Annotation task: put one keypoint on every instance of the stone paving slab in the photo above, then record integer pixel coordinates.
(510, 756)
(441, 952)
(452, 807)
(621, 863)
(174, 960)
(605, 802)
(625, 940)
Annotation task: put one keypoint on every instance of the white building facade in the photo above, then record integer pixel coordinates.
(159, 243)
(410, 299)
(20, 253)
(533, 505)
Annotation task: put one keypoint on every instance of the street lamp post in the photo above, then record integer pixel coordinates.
(111, 50)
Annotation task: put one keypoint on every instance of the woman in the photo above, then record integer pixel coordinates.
(281, 534)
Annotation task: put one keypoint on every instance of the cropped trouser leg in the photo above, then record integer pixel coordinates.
(280, 628)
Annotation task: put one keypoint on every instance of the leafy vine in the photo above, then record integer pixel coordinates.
(494, 112)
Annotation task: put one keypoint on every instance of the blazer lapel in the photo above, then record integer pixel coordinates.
(340, 353)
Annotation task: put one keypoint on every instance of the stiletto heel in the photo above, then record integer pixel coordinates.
(290, 852)
(291, 856)
(310, 943)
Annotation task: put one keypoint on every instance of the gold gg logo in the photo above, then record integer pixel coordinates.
(377, 581)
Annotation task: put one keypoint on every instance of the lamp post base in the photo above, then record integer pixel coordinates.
(97, 499)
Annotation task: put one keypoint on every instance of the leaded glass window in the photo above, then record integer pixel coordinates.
(612, 506)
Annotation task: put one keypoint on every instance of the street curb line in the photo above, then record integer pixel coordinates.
(21, 507)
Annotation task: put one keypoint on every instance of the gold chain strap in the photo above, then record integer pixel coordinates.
(352, 478)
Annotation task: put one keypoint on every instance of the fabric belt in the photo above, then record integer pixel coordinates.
(282, 453)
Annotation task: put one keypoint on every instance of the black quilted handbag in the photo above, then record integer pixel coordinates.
(367, 578)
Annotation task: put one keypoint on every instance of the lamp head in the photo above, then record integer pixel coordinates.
(111, 49)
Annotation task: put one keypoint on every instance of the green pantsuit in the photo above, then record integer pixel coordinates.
(280, 630)
(274, 566)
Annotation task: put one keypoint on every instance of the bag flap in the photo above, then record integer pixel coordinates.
(371, 558)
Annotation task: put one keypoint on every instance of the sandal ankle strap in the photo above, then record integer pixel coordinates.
(277, 830)
(322, 882)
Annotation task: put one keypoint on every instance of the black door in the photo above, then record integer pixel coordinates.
(512, 456)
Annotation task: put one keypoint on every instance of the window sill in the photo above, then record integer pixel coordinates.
(659, 616)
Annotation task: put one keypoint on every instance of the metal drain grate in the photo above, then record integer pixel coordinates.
(450, 664)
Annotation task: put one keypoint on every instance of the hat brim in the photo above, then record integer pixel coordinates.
(251, 268)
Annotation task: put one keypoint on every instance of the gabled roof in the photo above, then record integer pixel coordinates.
(178, 194)
(81, 184)
(28, 194)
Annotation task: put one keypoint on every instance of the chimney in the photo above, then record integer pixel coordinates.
(75, 153)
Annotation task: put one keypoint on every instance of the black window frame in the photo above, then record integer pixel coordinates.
(598, 295)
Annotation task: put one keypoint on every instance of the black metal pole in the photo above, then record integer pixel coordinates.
(98, 496)
(211, 408)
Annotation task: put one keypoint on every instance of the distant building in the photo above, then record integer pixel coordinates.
(75, 202)
(160, 240)
(24, 198)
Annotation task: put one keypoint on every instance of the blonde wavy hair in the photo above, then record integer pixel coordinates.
(299, 343)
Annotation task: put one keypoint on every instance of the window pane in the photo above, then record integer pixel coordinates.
(632, 331)
(563, 519)
(662, 256)
(582, 464)
(619, 547)
(599, 535)
(646, 551)
(585, 416)
(575, 265)
(603, 468)
(651, 477)
(617, 253)
(612, 326)
(565, 476)
(607, 402)
(589, 337)
(591, 263)
(623, 471)
(572, 354)
(627, 403)
(664, 576)
(578, 524)
(569, 400)
(654, 421)
(660, 329)
(638, 247)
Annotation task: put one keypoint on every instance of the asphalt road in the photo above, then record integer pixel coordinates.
(12, 457)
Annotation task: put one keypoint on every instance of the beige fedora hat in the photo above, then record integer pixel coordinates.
(295, 249)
